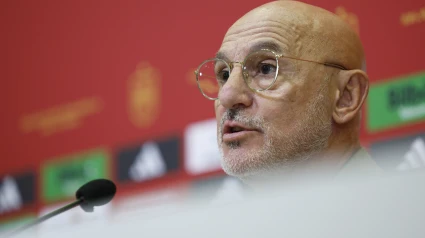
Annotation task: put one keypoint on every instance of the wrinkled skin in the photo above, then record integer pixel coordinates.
(310, 118)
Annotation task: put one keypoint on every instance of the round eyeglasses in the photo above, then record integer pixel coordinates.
(259, 70)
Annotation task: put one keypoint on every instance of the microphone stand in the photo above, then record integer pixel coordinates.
(47, 216)
(97, 192)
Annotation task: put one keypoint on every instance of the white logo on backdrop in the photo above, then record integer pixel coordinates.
(202, 154)
(148, 164)
(415, 157)
(10, 198)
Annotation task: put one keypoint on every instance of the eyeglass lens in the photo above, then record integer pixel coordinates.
(259, 72)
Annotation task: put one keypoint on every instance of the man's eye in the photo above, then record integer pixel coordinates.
(267, 68)
(223, 75)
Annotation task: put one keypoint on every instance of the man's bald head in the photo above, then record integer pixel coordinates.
(315, 32)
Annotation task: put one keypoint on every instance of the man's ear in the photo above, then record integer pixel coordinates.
(353, 87)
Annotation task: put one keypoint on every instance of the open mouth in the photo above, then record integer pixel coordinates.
(237, 132)
(236, 129)
(233, 127)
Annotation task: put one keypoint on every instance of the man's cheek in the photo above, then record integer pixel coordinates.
(219, 111)
(216, 104)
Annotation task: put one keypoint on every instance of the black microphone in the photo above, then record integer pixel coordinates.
(97, 192)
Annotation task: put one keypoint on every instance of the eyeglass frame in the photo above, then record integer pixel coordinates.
(277, 57)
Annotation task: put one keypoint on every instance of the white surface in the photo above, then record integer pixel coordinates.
(390, 207)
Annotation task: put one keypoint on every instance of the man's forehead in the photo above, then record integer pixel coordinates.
(301, 30)
(279, 31)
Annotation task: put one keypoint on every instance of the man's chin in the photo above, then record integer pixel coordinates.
(241, 161)
(248, 173)
(249, 162)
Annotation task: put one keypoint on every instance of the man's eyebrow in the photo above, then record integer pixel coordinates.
(270, 45)
(221, 55)
(257, 46)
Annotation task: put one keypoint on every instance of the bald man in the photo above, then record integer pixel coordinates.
(291, 82)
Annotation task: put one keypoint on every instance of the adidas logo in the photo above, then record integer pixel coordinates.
(415, 157)
(148, 163)
(10, 198)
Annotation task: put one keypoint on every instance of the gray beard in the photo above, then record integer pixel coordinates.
(281, 152)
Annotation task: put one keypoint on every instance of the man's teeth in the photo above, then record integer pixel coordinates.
(236, 129)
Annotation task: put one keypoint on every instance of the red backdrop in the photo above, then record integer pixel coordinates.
(78, 75)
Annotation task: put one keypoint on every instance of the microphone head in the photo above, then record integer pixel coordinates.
(97, 192)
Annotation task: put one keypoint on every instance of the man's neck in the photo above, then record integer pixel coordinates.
(328, 163)
(321, 166)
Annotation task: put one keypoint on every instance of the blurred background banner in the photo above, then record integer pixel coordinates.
(106, 89)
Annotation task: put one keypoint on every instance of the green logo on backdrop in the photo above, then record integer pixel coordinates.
(63, 176)
(396, 102)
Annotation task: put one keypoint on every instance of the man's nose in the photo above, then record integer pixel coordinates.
(235, 93)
